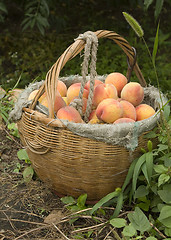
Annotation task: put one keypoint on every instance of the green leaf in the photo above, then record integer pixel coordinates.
(160, 168)
(118, 205)
(141, 191)
(129, 175)
(151, 134)
(151, 238)
(147, 3)
(74, 208)
(137, 169)
(165, 194)
(104, 200)
(144, 205)
(3, 7)
(167, 162)
(40, 27)
(144, 170)
(11, 126)
(149, 164)
(46, 7)
(22, 154)
(139, 220)
(165, 216)
(160, 206)
(82, 200)
(167, 111)
(68, 200)
(167, 231)
(162, 147)
(118, 222)
(42, 20)
(25, 21)
(27, 25)
(33, 21)
(158, 8)
(129, 231)
(163, 179)
(28, 174)
(155, 47)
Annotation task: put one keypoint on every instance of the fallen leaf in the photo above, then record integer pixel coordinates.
(54, 217)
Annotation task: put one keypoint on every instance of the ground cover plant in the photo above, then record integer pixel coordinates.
(141, 209)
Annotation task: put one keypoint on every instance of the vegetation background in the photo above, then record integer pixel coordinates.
(33, 34)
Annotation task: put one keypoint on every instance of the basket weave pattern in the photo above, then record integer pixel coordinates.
(68, 163)
(73, 165)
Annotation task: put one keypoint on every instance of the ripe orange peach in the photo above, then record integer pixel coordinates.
(33, 94)
(94, 121)
(92, 115)
(59, 102)
(133, 93)
(103, 91)
(62, 88)
(69, 113)
(128, 110)
(109, 110)
(118, 80)
(73, 91)
(96, 82)
(44, 102)
(144, 111)
(124, 120)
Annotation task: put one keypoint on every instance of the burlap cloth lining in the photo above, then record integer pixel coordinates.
(125, 134)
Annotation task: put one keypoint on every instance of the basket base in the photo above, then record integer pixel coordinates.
(89, 202)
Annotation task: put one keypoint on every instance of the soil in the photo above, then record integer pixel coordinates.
(31, 210)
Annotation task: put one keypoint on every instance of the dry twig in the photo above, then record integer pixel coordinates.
(157, 230)
(90, 228)
(61, 232)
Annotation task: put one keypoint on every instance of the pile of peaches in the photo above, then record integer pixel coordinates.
(114, 101)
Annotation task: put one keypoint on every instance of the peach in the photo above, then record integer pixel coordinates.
(62, 88)
(118, 80)
(44, 102)
(69, 113)
(59, 102)
(92, 115)
(133, 93)
(124, 120)
(128, 110)
(73, 91)
(144, 111)
(94, 121)
(96, 82)
(33, 94)
(109, 110)
(103, 91)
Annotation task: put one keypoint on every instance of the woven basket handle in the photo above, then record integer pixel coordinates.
(51, 81)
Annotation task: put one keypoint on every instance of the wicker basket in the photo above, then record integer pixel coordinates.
(68, 163)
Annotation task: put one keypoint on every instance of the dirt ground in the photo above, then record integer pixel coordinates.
(32, 211)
